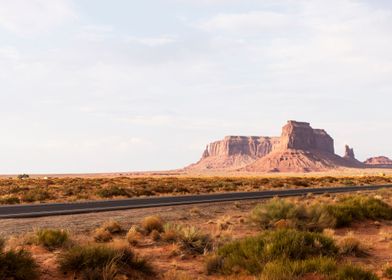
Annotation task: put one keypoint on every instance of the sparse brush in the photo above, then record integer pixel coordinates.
(252, 253)
(171, 232)
(193, 241)
(102, 235)
(103, 261)
(18, 265)
(134, 236)
(350, 246)
(152, 223)
(112, 226)
(326, 268)
(358, 208)
(213, 264)
(351, 272)
(51, 238)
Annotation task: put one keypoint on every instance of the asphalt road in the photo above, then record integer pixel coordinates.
(54, 209)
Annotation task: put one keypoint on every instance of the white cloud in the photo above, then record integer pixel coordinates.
(153, 41)
(254, 20)
(27, 17)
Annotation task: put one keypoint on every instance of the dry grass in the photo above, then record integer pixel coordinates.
(14, 191)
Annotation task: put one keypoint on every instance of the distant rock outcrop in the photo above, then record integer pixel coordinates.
(380, 161)
(349, 153)
(299, 148)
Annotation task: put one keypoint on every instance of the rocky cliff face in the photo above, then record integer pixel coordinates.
(301, 136)
(252, 146)
(380, 161)
(236, 152)
(349, 153)
(299, 148)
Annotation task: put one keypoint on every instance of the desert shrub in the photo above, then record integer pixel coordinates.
(285, 269)
(18, 265)
(280, 213)
(102, 261)
(102, 235)
(112, 191)
(327, 267)
(112, 226)
(134, 236)
(251, 254)
(388, 272)
(358, 208)
(351, 272)
(51, 238)
(213, 264)
(36, 194)
(152, 223)
(10, 200)
(351, 246)
(267, 214)
(193, 241)
(171, 232)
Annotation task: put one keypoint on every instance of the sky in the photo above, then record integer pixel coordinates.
(126, 85)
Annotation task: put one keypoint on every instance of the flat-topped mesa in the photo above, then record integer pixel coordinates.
(299, 148)
(301, 136)
(252, 146)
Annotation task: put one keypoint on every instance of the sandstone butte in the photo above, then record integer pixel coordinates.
(300, 148)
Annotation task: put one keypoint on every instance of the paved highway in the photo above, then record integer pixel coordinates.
(54, 209)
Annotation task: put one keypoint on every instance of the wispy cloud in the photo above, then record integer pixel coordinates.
(153, 41)
(243, 22)
(27, 17)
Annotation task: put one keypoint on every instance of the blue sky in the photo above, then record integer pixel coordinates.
(92, 86)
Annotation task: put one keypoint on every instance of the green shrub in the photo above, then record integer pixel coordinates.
(18, 265)
(327, 267)
(102, 261)
(278, 212)
(51, 238)
(285, 269)
(252, 253)
(356, 208)
(351, 272)
(112, 191)
(171, 232)
(267, 214)
(351, 246)
(10, 200)
(193, 241)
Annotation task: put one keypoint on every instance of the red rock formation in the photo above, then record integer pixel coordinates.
(300, 148)
(380, 161)
(349, 153)
(234, 152)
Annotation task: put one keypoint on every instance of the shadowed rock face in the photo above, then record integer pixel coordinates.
(349, 153)
(301, 136)
(299, 148)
